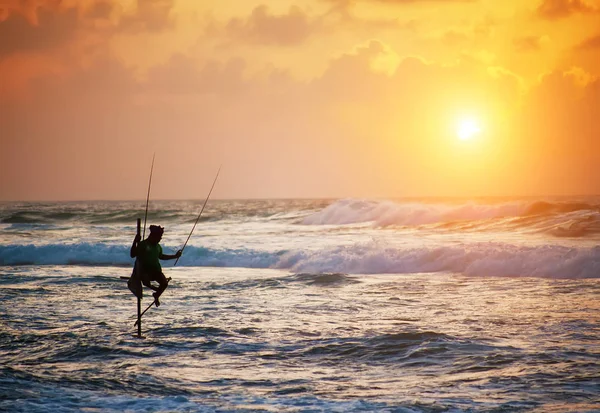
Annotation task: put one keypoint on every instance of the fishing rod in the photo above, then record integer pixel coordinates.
(200, 214)
(186, 241)
(148, 196)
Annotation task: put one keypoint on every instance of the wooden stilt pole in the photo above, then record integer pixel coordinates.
(139, 300)
(139, 306)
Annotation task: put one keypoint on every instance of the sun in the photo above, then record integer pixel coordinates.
(467, 129)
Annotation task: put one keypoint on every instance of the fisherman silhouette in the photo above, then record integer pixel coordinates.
(147, 266)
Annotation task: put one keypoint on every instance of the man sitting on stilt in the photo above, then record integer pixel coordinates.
(147, 265)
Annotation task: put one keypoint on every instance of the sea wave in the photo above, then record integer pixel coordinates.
(556, 218)
(118, 255)
(126, 216)
(562, 219)
(387, 213)
(477, 259)
(126, 212)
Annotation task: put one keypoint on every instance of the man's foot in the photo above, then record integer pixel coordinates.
(156, 302)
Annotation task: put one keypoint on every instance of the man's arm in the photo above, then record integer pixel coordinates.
(133, 250)
(170, 257)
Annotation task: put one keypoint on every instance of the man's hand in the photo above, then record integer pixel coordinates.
(134, 246)
(178, 254)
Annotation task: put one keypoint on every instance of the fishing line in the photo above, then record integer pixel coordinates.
(200, 214)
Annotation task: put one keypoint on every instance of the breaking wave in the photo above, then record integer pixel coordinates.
(479, 259)
(328, 265)
(561, 219)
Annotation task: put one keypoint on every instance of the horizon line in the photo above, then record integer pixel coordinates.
(305, 198)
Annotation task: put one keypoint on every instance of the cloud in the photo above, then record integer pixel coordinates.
(33, 26)
(49, 29)
(27, 8)
(591, 43)
(557, 9)
(263, 27)
(150, 15)
(297, 26)
(424, 1)
(100, 10)
(341, 15)
(583, 55)
(360, 75)
(528, 44)
(346, 3)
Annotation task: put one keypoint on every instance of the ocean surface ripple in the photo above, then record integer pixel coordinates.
(267, 340)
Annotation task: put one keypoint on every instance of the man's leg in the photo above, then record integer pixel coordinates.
(149, 285)
(147, 278)
(162, 286)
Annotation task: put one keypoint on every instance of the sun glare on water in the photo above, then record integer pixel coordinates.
(467, 129)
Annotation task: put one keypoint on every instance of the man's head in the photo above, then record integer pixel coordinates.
(156, 232)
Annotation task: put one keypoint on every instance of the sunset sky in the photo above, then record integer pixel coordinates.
(302, 98)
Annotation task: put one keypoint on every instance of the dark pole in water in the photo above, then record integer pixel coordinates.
(139, 300)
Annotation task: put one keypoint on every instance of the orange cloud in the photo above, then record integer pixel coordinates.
(528, 43)
(351, 2)
(591, 43)
(65, 35)
(297, 26)
(102, 9)
(404, 2)
(27, 8)
(557, 9)
(150, 15)
(42, 24)
(51, 29)
(266, 28)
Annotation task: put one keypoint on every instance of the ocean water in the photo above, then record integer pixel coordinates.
(348, 305)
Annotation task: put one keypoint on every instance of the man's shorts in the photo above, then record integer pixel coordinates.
(157, 276)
